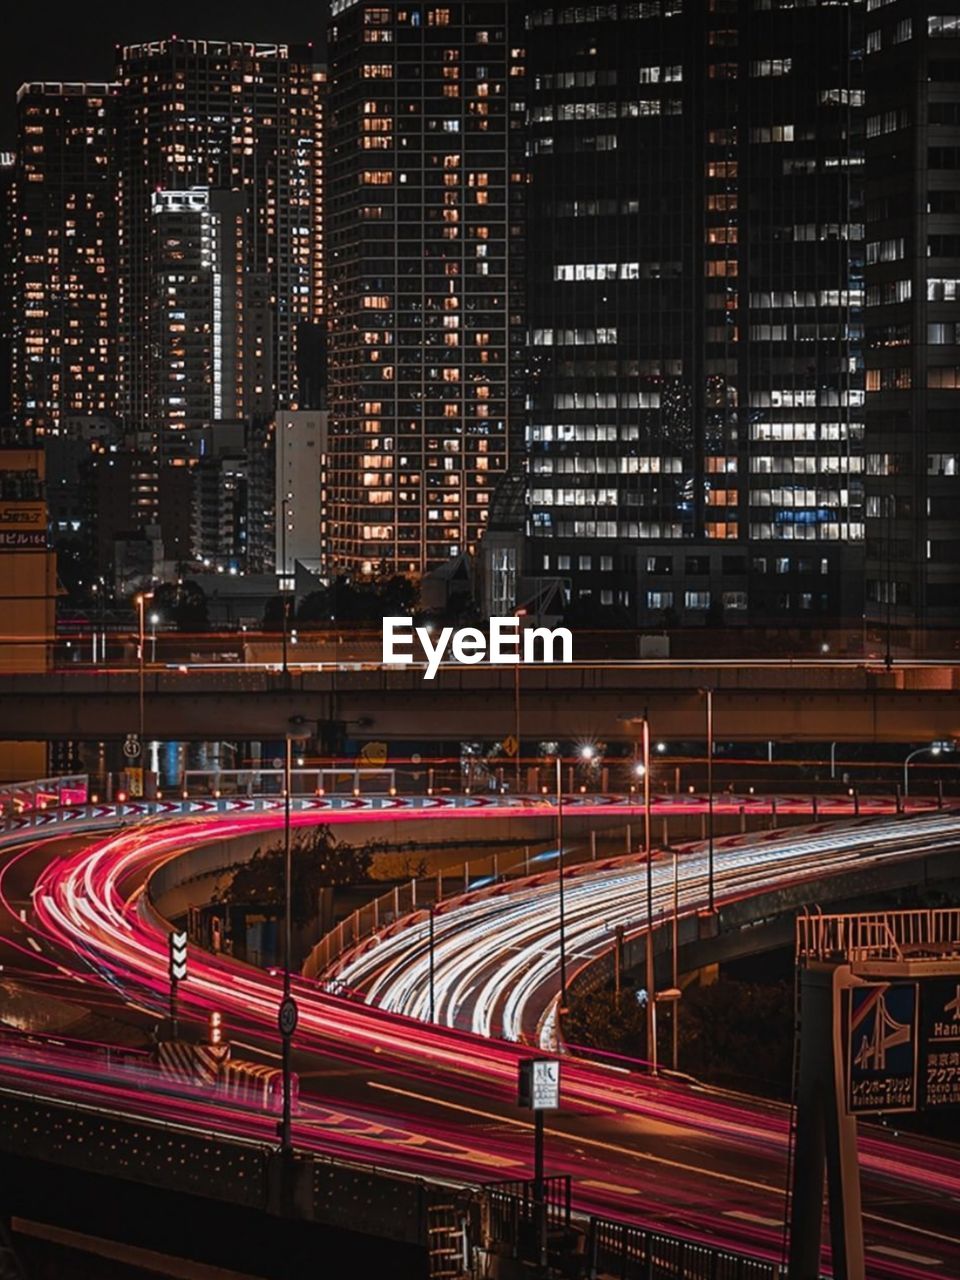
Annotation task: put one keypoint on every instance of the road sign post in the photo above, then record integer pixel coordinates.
(178, 971)
(539, 1091)
(287, 1019)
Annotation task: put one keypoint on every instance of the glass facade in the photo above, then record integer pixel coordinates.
(225, 115)
(912, 68)
(63, 254)
(424, 278)
(694, 303)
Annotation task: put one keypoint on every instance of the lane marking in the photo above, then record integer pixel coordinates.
(615, 1187)
(584, 1141)
(758, 1218)
(909, 1226)
(918, 1258)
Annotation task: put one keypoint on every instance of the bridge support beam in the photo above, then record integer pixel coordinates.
(826, 1138)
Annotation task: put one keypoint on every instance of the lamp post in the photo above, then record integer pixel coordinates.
(288, 1011)
(710, 885)
(563, 939)
(643, 769)
(935, 748)
(283, 581)
(154, 620)
(141, 601)
(519, 613)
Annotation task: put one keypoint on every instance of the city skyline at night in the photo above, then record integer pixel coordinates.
(480, 641)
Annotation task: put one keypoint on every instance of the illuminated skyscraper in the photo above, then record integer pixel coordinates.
(424, 281)
(229, 117)
(64, 254)
(695, 248)
(912, 72)
(209, 317)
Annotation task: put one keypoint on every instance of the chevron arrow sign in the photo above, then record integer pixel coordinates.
(178, 956)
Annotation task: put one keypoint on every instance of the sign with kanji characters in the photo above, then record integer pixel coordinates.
(540, 1084)
(940, 1043)
(881, 1047)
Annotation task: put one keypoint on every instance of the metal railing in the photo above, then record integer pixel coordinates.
(512, 1207)
(880, 935)
(43, 793)
(628, 1252)
(344, 780)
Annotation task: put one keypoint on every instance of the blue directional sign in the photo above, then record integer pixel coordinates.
(940, 1043)
(880, 1026)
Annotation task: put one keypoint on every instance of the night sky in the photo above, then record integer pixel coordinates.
(76, 41)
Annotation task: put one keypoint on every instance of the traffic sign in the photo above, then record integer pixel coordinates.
(510, 745)
(540, 1084)
(131, 746)
(881, 1047)
(135, 781)
(178, 956)
(288, 1016)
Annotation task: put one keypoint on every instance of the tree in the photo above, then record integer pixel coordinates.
(182, 603)
(317, 860)
(601, 1021)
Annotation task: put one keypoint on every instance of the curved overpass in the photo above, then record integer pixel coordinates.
(380, 1086)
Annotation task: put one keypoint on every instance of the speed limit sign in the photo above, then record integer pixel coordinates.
(131, 746)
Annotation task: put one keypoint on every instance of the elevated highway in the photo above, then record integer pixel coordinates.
(806, 700)
(440, 1101)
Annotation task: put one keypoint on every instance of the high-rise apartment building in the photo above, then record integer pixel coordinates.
(64, 254)
(230, 117)
(424, 283)
(7, 285)
(694, 292)
(210, 330)
(912, 71)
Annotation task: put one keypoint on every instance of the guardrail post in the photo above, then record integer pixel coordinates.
(376, 913)
(813, 805)
(773, 812)
(743, 819)
(593, 846)
(939, 793)
(496, 868)
(628, 841)
(396, 901)
(413, 893)
(526, 859)
(466, 876)
(899, 798)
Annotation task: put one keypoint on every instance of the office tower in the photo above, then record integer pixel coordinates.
(7, 287)
(301, 443)
(912, 72)
(210, 328)
(64, 260)
(423, 188)
(28, 581)
(694, 231)
(229, 117)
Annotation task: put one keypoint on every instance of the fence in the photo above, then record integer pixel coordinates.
(43, 793)
(627, 1252)
(883, 935)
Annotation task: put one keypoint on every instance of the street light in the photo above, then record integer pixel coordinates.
(563, 938)
(710, 893)
(154, 620)
(518, 613)
(283, 580)
(141, 600)
(642, 770)
(287, 1025)
(934, 748)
